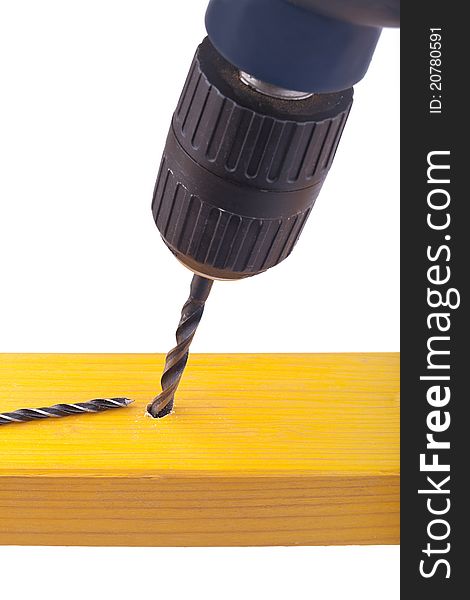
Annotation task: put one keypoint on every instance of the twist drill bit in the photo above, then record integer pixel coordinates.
(63, 410)
(177, 358)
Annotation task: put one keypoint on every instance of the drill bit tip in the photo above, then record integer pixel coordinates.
(125, 401)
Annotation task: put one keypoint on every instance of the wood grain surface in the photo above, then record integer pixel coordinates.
(263, 449)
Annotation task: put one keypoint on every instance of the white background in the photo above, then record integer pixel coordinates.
(86, 94)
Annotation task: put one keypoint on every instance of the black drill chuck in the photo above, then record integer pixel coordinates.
(241, 169)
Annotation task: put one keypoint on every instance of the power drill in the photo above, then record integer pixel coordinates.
(253, 137)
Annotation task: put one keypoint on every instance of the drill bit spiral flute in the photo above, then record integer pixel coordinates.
(177, 358)
(97, 405)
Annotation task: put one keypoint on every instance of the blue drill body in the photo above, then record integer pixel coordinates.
(306, 45)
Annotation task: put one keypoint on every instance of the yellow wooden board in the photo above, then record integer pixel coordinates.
(263, 449)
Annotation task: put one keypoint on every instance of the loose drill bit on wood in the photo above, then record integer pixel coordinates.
(63, 410)
(177, 358)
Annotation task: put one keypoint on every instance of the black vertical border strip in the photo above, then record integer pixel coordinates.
(421, 133)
